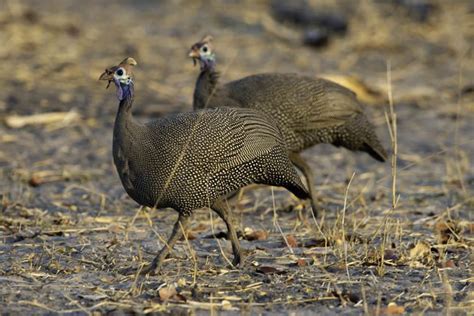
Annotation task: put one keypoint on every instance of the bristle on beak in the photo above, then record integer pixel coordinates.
(108, 75)
(127, 64)
(194, 54)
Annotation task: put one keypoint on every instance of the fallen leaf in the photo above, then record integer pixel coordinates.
(226, 305)
(256, 235)
(420, 251)
(270, 270)
(394, 309)
(448, 264)
(115, 228)
(447, 231)
(291, 240)
(301, 262)
(169, 292)
(421, 254)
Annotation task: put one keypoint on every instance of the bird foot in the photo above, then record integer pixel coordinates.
(239, 259)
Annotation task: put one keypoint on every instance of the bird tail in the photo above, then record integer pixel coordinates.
(297, 188)
(375, 150)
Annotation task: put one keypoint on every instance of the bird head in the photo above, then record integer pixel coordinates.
(122, 76)
(203, 52)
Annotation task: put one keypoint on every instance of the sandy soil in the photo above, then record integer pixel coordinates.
(67, 227)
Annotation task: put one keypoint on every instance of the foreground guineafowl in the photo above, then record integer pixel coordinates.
(193, 160)
(308, 111)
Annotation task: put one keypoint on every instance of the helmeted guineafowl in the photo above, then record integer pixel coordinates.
(193, 160)
(308, 111)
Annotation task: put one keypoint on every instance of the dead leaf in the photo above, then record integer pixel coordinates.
(420, 251)
(393, 309)
(448, 264)
(447, 231)
(167, 292)
(291, 240)
(270, 270)
(116, 228)
(226, 305)
(301, 262)
(256, 235)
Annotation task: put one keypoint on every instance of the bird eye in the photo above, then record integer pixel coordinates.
(204, 49)
(119, 72)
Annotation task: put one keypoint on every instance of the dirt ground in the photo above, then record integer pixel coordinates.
(67, 227)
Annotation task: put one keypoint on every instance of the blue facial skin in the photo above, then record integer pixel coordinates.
(124, 88)
(208, 62)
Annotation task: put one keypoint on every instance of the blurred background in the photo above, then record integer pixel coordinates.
(56, 119)
(52, 53)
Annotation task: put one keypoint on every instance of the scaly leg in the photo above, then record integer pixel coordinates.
(179, 226)
(221, 209)
(299, 162)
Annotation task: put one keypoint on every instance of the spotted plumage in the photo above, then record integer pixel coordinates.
(193, 160)
(308, 111)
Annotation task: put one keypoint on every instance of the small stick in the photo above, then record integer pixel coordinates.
(275, 223)
(392, 127)
(343, 225)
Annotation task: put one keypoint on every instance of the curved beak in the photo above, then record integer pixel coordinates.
(194, 54)
(106, 75)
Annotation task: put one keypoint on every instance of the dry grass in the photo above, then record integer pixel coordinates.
(393, 238)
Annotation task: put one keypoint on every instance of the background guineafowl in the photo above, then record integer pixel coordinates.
(308, 111)
(177, 162)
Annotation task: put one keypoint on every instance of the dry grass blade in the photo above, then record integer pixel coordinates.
(391, 119)
(19, 121)
(343, 225)
(66, 231)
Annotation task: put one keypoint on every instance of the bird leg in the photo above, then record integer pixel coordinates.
(235, 197)
(299, 162)
(221, 209)
(176, 234)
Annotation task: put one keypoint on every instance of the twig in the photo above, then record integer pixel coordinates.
(132, 222)
(191, 253)
(277, 225)
(344, 242)
(392, 128)
(75, 302)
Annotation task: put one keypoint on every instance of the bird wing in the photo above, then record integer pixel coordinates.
(301, 102)
(218, 138)
(243, 134)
